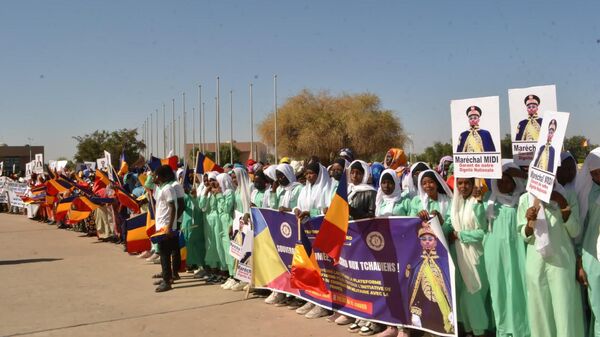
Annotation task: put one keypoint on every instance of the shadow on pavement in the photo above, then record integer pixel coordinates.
(9, 262)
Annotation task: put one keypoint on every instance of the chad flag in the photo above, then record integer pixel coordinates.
(124, 166)
(137, 239)
(100, 181)
(126, 199)
(332, 234)
(63, 207)
(205, 164)
(306, 274)
(55, 186)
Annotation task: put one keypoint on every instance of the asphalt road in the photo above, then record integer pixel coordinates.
(61, 283)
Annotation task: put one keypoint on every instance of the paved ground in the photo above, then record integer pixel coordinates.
(58, 283)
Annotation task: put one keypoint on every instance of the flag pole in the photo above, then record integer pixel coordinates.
(203, 136)
(183, 125)
(157, 138)
(231, 126)
(216, 133)
(193, 135)
(275, 109)
(218, 145)
(174, 125)
(150, 133)
(200, 121)
(252, 154)
(164, 132)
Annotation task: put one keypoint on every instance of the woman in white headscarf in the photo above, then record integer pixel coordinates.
(410, 186)
(466, 227)
(314, 196)
(504, 253)
(271, 178)
(285, 197)
(553, 297)
(212, 223)
(389, 200)
(588, 265)
(242, 190)
(433, 198)
(361, 194)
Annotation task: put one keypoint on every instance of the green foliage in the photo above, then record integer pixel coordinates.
(433, 154)
(575, 144)
(225, 154)
(506, 146)
(91, 146)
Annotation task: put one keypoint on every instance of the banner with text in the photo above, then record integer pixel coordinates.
(527, 106)
(476, 137)
(542, 170)
(395, 270)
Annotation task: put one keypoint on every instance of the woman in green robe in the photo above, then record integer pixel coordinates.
(588, 265)
(504, 254)
(466, 227)
(193, 231)
(553, 296)
(208, 204)
(225, 201)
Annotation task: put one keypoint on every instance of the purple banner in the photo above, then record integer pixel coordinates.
(392, 270)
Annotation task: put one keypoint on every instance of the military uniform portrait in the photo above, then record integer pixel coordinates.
(544, 159)
(475, 139)
(529, 129)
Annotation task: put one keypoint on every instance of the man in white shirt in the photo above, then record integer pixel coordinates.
(165, 216)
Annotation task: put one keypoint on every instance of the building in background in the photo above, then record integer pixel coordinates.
(243, 147)
(18, 156)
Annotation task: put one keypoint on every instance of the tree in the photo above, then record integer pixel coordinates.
(575, 145)
(433, 154)
(91, 146)
(225, 154)
(506, 146)
(321, 124)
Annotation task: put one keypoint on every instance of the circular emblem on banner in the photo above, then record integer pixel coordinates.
(286, 230)
(375, 241)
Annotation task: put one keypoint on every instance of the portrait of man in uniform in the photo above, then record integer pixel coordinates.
(529, 129)
(545, 154)
(430, 303)
(475, 139)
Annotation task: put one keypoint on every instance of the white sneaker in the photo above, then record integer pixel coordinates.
(231, 284)
(303, 310)
(317, 312)
(275, 297)
(239, 286)
(246, 287)
(145, 254)
(227, 283)
(152, 257)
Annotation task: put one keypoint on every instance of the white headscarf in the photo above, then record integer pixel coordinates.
(408, 183)
(316, 195)
(288, 172)
(226, 183)
(443, 199)
(389, 199)
(584, 183)
(270, 172)
(511, 199)
(463, 218)
(243, 187)
(364, 185)
(563, 156)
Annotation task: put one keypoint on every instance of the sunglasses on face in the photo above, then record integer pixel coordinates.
(426, 238)
(532, 106)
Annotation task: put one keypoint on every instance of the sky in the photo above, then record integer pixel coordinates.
(68, 68)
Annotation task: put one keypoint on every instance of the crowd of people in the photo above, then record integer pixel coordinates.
(523, 267)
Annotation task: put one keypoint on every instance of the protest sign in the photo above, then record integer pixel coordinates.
(392, 270)
(527, 107)
(90, 165)
(542, 169)
(28, 170)
(476, 137)
(109, 164)
(101, 164)
(1, 167)
(38, 166)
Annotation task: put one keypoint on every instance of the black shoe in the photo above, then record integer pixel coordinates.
(163, 286)
(176, 277)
